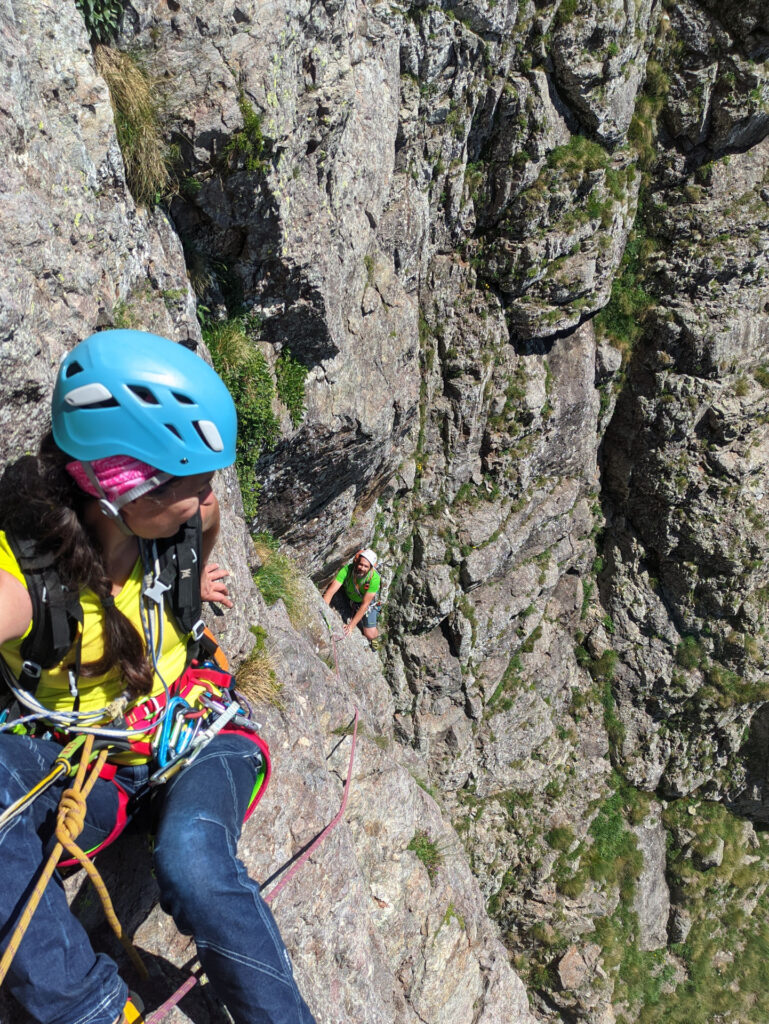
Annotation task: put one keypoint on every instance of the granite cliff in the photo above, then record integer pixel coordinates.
(520, 250)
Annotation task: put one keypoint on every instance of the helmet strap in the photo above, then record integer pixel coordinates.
(110, 507)
(141, 489)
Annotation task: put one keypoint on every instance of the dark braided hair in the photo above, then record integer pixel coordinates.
(41, 501)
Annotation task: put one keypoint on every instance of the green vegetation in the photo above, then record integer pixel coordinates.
(560, 838)
(291, 375)
(725, 954)
(577, 157)
(368, 263)
(137, 122)
(426, 850)
(277, 578)
(622, 319)
(602, 671)
(610, 859)
(643, 126)
(515, 393)
(123, 316)
(565, 12)
(723, 686)
(245, 371)
(615, 729)
(248, 144)
(101, 18)
(718, 970)
(502, 697)
(450, 915)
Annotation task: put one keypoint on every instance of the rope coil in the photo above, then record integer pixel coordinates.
(69, 824)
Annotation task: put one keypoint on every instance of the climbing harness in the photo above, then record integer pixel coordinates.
(220, 712)
(173, 732)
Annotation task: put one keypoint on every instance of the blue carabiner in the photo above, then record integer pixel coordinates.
(174, 706)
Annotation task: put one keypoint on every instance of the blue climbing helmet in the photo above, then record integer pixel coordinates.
(126, 392)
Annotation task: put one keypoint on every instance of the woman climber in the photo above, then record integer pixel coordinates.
(117, 509)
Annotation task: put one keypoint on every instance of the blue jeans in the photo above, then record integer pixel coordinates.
(56, 975)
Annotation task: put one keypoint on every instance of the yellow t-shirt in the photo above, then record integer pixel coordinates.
(53, 687)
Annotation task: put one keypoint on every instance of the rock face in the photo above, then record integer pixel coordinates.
(520, 248)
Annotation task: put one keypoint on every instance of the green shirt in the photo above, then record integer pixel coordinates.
(356, 588)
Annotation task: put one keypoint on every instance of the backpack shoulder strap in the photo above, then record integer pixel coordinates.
(56, 610)
(180, 569)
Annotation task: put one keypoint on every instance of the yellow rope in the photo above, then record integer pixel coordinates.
(69, 825)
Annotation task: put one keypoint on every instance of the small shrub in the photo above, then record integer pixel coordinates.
(248, 143)
(123, 315)
(244, 370)
(560, 838)
(291, 375)
(623, 316)
(101, 18)
(565, 13)
(603, 668)
(426, 850)
(137, 122)
(689, 653)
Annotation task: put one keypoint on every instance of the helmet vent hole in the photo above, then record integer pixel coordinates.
(73, 368)
(183, 399)
(174, 431)
(143, 394)
(210, 435)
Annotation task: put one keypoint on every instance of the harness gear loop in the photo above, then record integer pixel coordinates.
(69, 825)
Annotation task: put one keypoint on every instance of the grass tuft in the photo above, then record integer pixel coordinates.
(277, 578)
(256, 676)
(133, 95)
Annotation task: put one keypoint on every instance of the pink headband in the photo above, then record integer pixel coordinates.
(116, 475)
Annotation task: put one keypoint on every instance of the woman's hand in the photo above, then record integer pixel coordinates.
(212, 585)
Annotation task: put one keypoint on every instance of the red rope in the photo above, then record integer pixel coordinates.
(331, 825)
(169, 1004)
